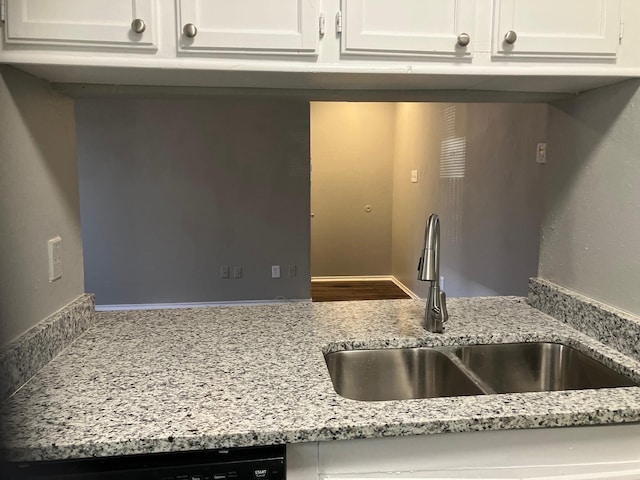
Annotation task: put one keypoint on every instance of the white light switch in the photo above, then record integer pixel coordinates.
(414, 176)
(275, 271)
(54, 249)
(541, 153)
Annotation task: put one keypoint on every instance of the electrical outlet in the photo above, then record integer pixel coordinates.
(54, 249)
(292, 270)
(237, 272)
(224, 271)
(275, 271)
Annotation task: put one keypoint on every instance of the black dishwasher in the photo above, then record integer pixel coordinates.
(249, 463)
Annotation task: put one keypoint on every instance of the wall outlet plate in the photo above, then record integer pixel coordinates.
(224, 271)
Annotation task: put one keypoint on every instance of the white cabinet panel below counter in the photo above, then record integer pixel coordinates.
(584, 453)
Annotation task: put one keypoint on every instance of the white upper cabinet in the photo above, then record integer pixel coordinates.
(556, 28)
(408, 27)
(82, 23)
(512, 45)
(249, 26)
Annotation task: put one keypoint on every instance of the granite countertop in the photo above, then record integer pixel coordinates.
(167, 380)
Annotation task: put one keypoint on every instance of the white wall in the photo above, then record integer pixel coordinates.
(38, 201)
(591, 229)
(173, 189)
(352, 152)
(489, 196)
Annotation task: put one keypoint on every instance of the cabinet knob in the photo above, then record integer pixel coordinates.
(138, 25)
(464, 39)
(510, 37)
(190, 30)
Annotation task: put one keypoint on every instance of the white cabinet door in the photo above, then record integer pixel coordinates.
(408, 27)
(557, 28)
(249, 26)
(81, 23)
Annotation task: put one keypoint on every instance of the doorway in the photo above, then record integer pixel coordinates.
(352, 152)
(379, 169)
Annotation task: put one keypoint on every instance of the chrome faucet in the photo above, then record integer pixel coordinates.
(429, 271)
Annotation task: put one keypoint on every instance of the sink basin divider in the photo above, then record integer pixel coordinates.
(482, 385)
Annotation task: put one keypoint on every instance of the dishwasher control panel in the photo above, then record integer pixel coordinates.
(250, 463)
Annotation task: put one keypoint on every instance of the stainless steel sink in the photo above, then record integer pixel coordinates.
(537, 367)
(405, 373)
(397, 374)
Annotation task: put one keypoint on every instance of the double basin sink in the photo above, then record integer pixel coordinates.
(406, 373)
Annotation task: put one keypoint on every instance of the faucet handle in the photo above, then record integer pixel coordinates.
(443, 307)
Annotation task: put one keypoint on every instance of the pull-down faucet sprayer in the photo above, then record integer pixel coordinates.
(429, 271)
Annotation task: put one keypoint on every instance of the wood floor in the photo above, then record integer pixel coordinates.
(355, 290)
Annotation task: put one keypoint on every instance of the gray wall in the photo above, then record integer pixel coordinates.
(591, 229)
(478, 171)
(173, 189)
(38, 200)
(352, 156)
(417, 147)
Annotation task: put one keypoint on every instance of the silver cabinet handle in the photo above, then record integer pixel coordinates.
(510, 37)
(464, 39)
(138, 25)
(190, 30)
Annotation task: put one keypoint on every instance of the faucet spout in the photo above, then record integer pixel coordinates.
(429, 271)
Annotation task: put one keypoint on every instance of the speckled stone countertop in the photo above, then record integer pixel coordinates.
(167, 380)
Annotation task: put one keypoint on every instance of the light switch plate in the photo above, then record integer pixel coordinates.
(541, 153)
(54, 250)
(414, 176)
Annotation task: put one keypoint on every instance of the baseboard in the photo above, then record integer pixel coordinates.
(368, 278)
(343, 278)
(405, 289)
(169, 306)
(353, 278)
